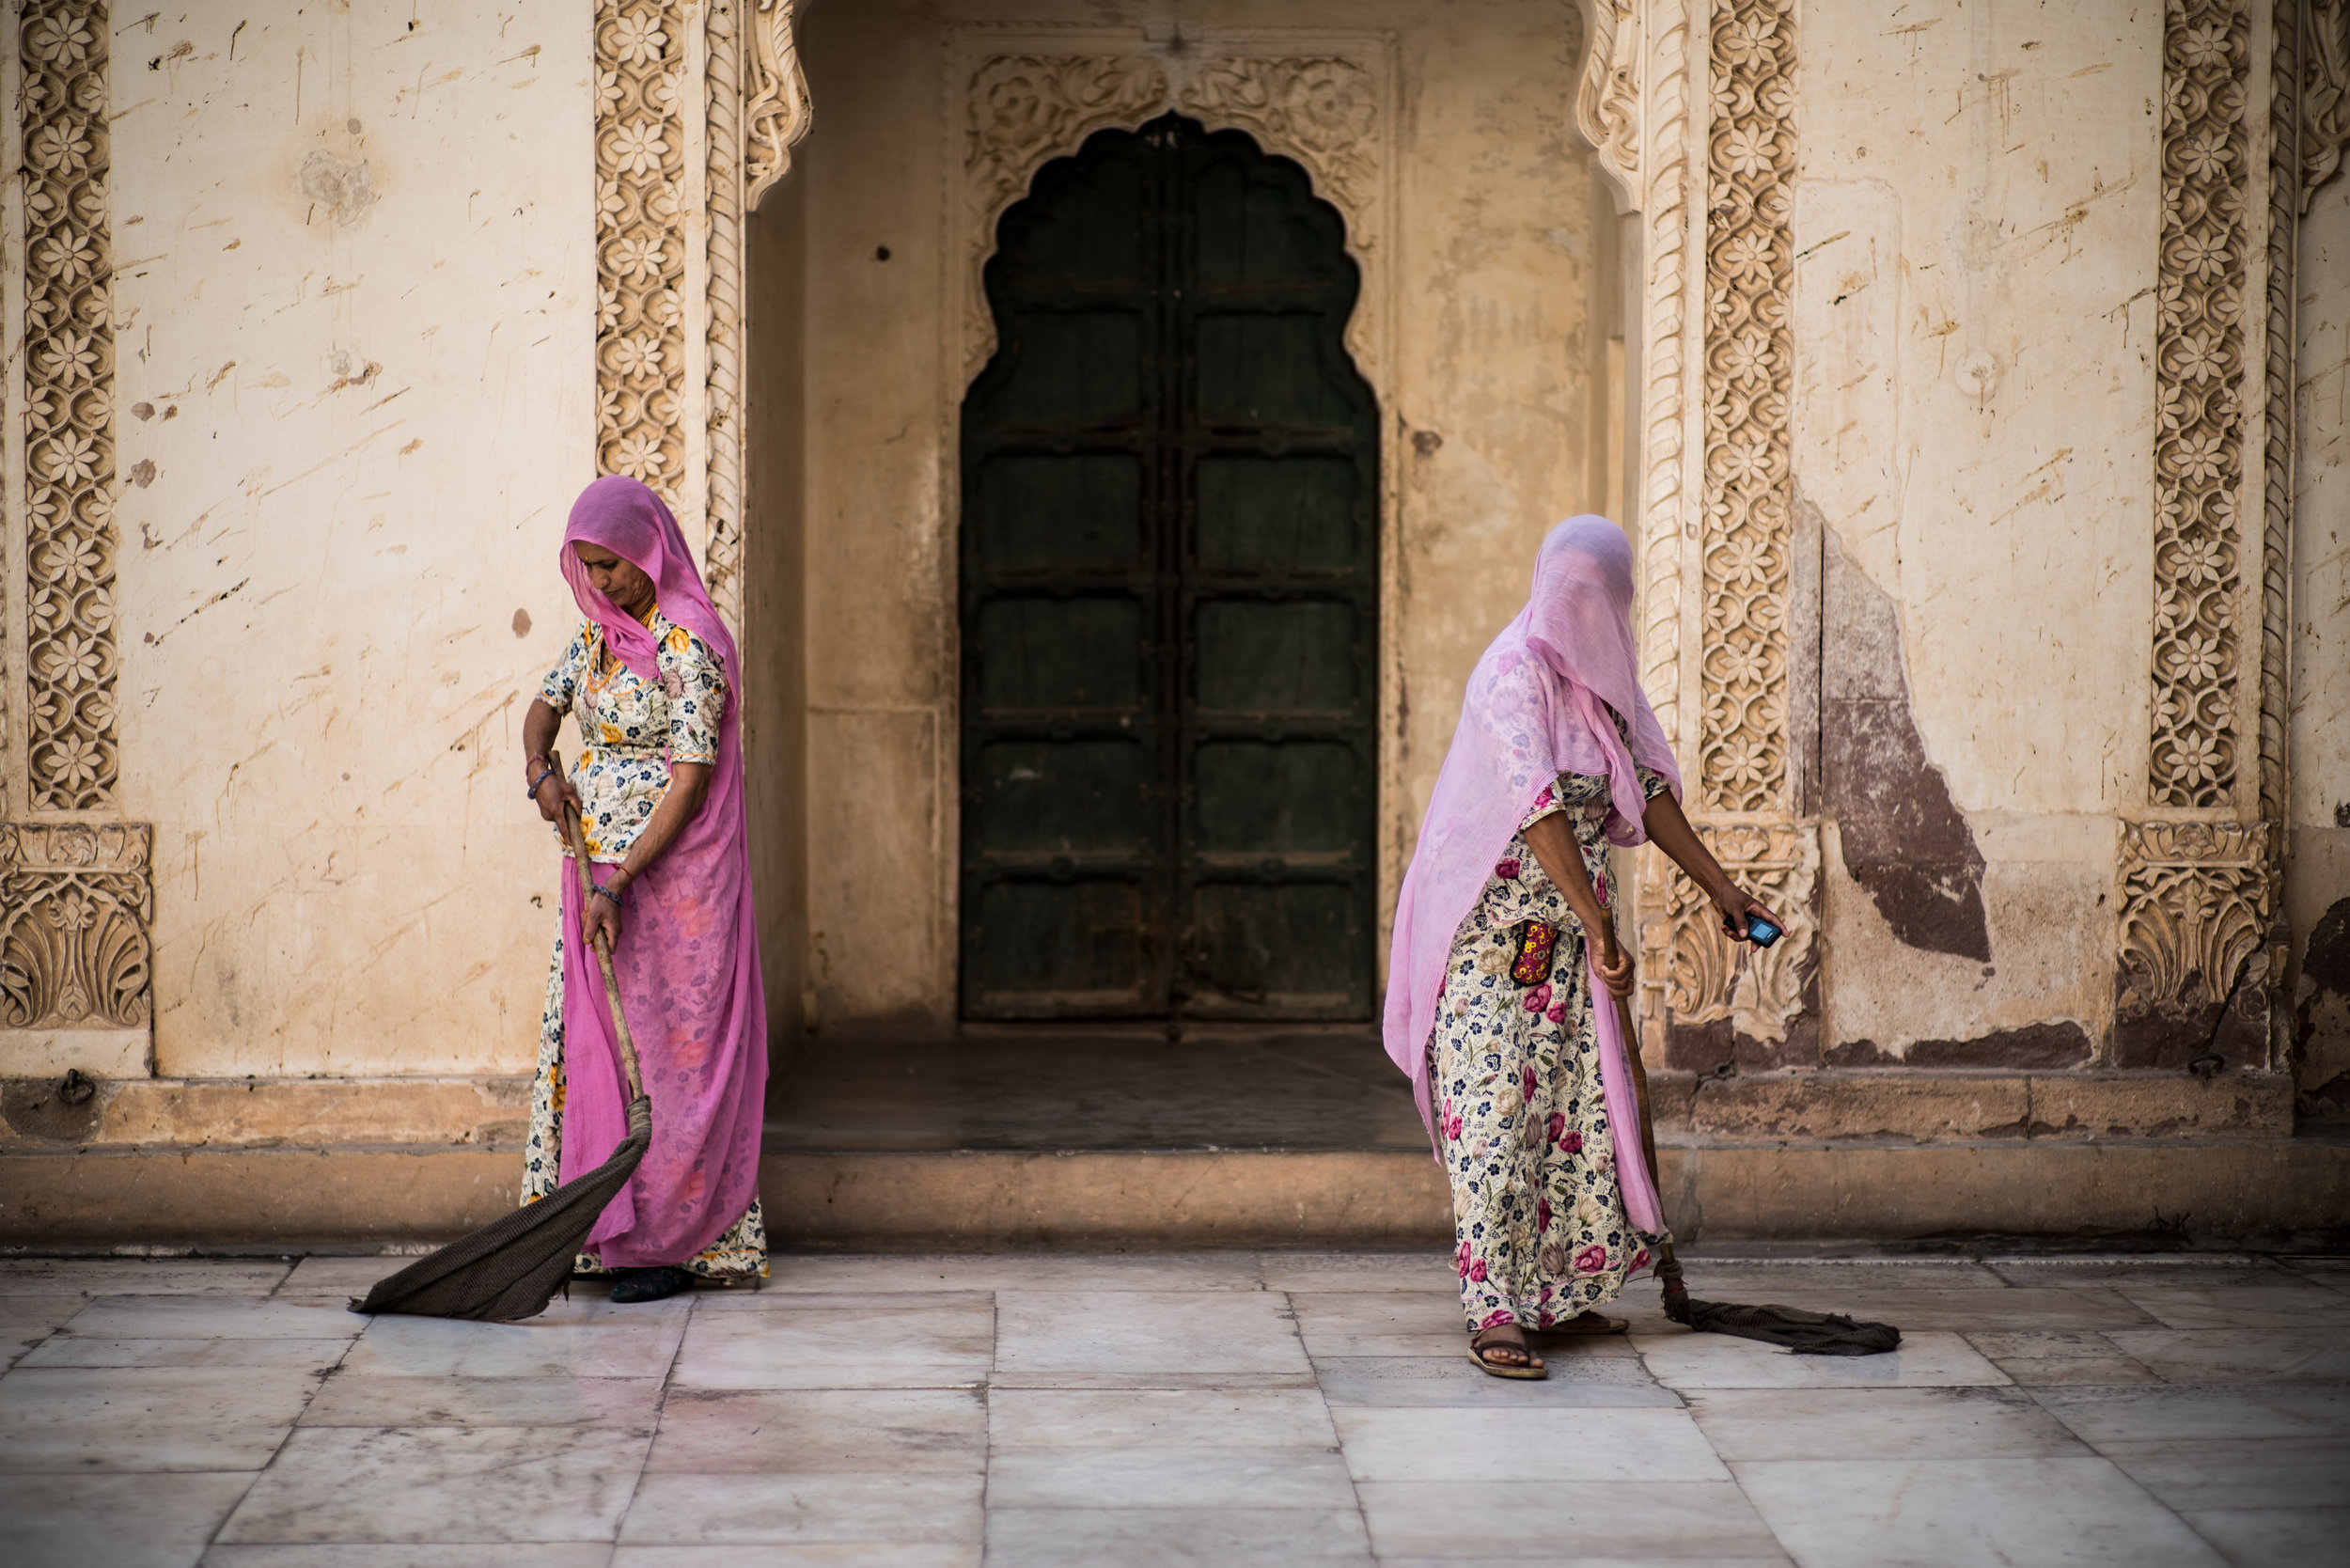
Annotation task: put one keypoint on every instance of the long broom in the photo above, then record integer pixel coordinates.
(511, 1267)
(1805, 1333)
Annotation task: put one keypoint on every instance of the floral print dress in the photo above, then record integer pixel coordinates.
(631, 731)
(1537, 1216)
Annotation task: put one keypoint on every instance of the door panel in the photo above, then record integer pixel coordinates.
(1169, 597)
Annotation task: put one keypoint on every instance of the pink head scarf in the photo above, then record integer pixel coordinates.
(1541, 701)
(688, 958)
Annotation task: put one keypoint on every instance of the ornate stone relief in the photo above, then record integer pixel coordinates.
(640, 242)
(2195, 897)
(1325, 110)
(757, 109)
(76, 903)
(1607, 109)
(2324, 47)
(68, 411)
(2198, 368)
(1702, 977)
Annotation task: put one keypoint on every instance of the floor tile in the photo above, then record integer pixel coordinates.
(919, 1276)
(817, 1344)
(148, 1417)
(1961, 1512)
(211, 1317)
(333, 1276)
(444, 1483)
(118, 1521)
(1169, 1477)
(2247, 1472)
(2057, 1358)
(846, 1506)
(360, 1399)
(1130, 1337)
(1721, 1279)
(712, 1430)
(1406, 1382)
(1069, 1419)
(509, 1554)
(1378, 1313)
(27, 1320)
(2212, 1414)
(1174, 1537)
(72, 1350)
(438, 1347)
(1878, 1424)
(2240, 1355)
(1722, 1361)
(1553, 1521)
(139, 1277)
(2297, 1305)
(806, 1554)
(2275, 1538)
(1475, 1446)
(1429, 1270)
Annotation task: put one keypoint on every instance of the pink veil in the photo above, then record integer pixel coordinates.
(1538, 705)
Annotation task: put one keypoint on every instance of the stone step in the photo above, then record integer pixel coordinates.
(2266, 1192)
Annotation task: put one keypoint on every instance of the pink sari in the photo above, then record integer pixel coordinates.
(1537, 704)
(688, 958)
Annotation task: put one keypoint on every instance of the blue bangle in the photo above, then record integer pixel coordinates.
(532, 793)
(606, 890)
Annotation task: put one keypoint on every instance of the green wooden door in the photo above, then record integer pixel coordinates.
(1169, 597)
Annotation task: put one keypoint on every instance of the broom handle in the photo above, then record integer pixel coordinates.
(603, 954)
(1667, 1266)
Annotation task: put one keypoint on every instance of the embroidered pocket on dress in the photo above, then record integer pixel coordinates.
(1536, 943)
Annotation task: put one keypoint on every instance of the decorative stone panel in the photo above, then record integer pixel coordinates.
(68, 411)
(76, 896)
(2195, 959)
(76, 903)
(641, 93)
(1722, 1000)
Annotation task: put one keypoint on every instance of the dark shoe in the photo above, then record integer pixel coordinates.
(649, 1284)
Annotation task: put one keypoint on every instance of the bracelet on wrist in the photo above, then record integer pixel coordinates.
(532, 793)
(604, 889)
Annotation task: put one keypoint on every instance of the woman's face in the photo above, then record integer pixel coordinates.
(616, 579)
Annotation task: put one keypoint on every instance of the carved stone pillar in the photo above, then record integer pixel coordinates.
(2199, 864)
(1698, 132)
(76, 898)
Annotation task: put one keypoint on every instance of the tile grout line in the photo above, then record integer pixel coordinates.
(318, 1382)
(661, 1411)
(987, 1421)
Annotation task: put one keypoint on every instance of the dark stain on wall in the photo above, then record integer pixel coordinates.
(2228, 1018)
(2059, 1044)
(2322, 1009)
(1904, 843)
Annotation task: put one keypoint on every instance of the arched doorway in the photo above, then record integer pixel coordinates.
(1169, 597)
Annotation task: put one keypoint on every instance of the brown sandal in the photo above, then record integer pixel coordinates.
(1589, 1326)
(1531, 1371)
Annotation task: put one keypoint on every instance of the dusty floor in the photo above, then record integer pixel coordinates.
(1221, 1408)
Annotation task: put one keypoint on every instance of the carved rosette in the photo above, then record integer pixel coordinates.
(76, 902)
(68, 411)
(1700, 979)
(2198, 367)
(640, 243)
(2196, 899)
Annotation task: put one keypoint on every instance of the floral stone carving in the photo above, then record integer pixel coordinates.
(1712, 999)
(67, 409)
(75, 902)
(640, 243)
(2197, 901)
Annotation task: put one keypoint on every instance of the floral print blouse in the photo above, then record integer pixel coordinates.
(633, 729)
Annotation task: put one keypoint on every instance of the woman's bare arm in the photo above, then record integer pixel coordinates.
(1669, 831)
(1561, 860)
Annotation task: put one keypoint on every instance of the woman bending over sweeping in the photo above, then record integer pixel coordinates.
(653, 679)
(1504, 941)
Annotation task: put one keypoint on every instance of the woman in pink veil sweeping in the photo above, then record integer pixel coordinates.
(653, 681)
(1506, 962)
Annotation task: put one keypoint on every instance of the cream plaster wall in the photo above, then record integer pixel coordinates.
(1487, 405)
(365, 423)
(1975, 225)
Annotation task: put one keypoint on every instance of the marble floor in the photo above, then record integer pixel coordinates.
(1223, 1408)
